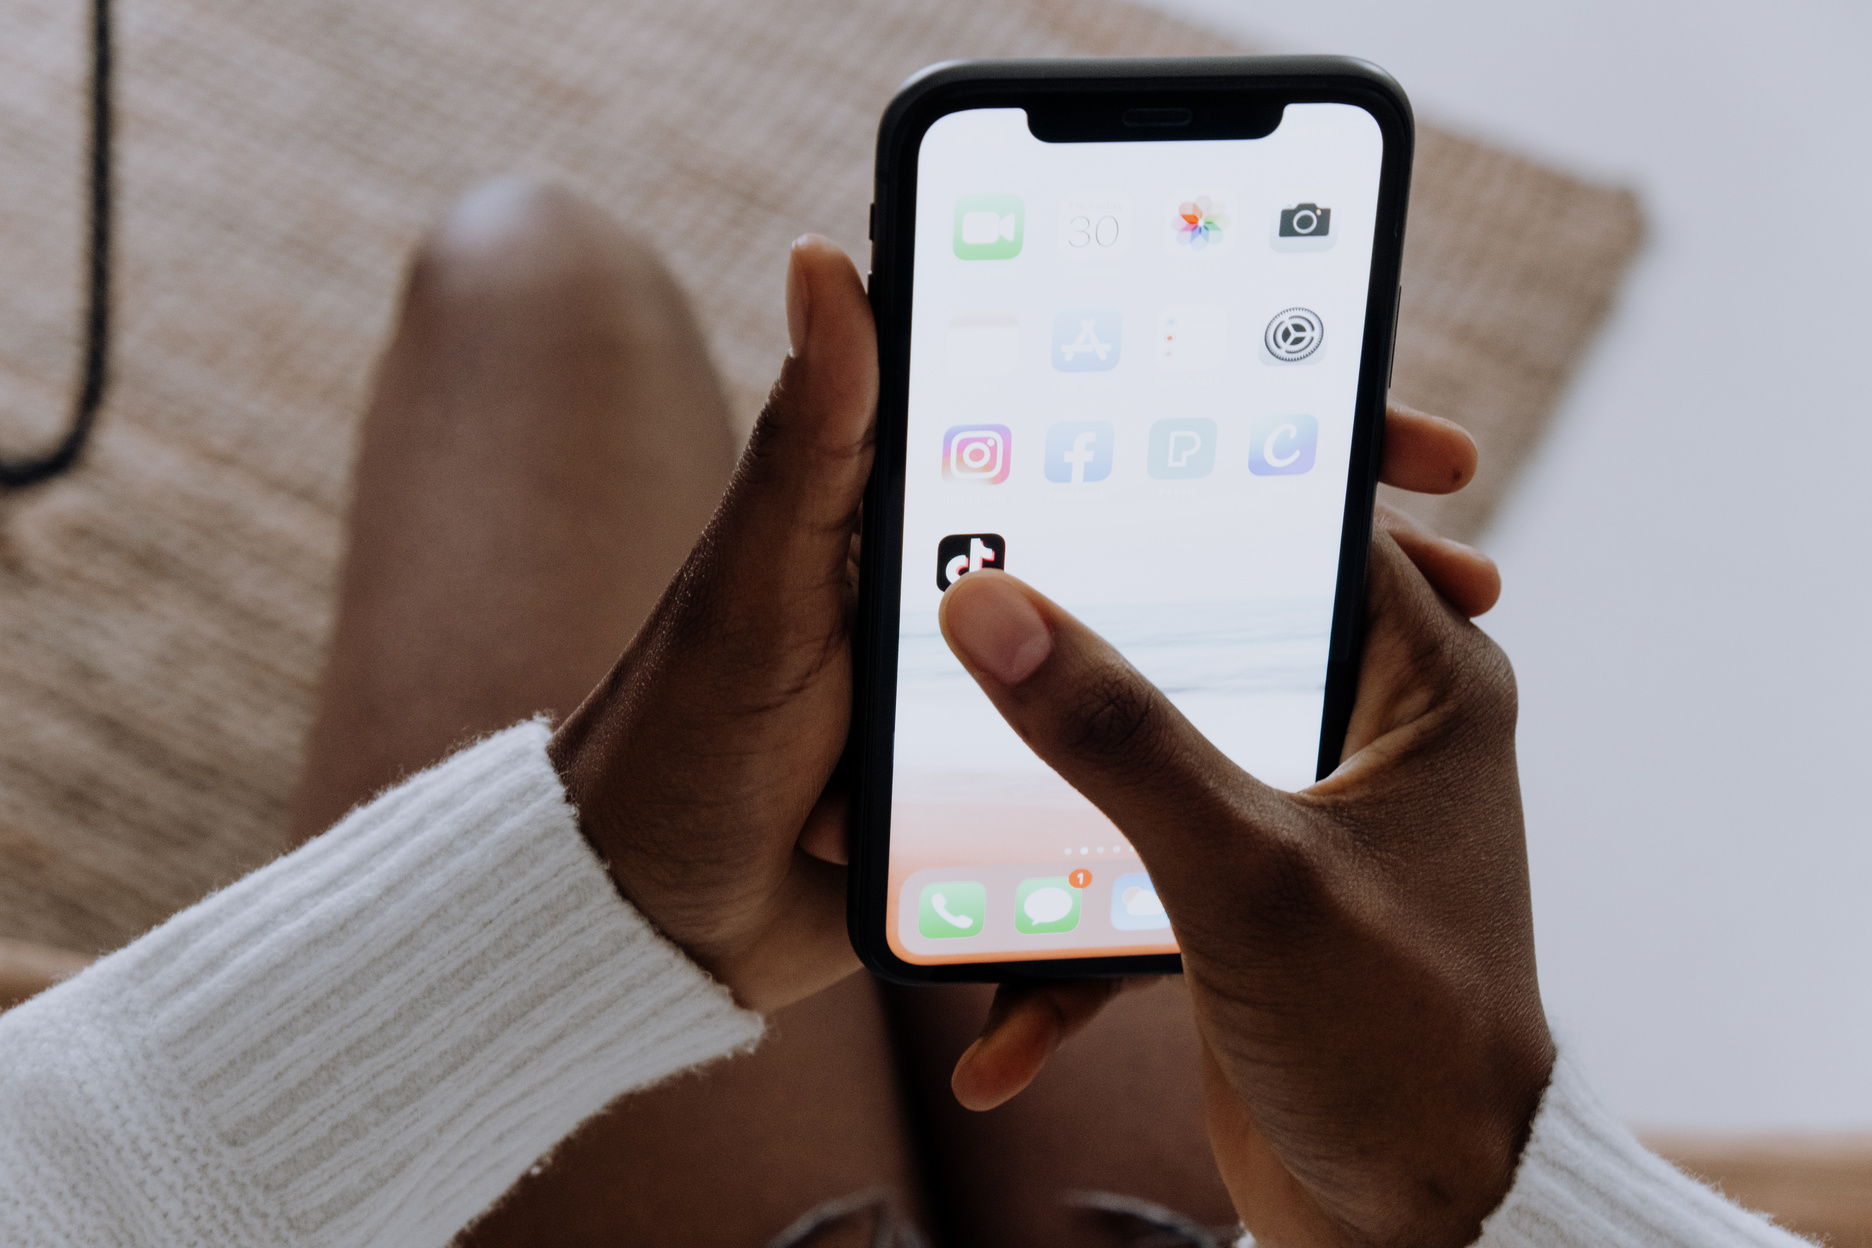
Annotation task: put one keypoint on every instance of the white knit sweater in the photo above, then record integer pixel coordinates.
(370, 1040)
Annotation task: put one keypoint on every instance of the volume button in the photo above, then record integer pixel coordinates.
(871, 225)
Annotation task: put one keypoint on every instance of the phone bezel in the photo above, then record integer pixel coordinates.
(1248, 82)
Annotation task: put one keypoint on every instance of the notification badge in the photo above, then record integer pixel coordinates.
(961, 553)
(977, 453)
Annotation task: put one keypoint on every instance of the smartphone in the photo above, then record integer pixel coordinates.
(1135, 323)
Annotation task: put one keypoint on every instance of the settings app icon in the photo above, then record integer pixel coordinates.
(1294, 334)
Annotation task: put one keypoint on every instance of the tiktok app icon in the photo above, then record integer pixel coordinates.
(961, 553)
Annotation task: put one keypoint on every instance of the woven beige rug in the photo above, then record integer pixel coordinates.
(163, 611)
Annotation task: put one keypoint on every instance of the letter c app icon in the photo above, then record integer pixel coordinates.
(1283, 446)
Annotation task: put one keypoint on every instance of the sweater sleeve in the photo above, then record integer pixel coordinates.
(1586, 1182)
(366, 1042)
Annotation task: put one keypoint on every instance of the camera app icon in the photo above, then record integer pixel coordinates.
(1303, 227)
(977, 453)
(962, 553)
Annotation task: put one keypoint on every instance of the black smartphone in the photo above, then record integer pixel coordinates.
(1135, 324)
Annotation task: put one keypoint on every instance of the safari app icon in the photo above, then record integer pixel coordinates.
(989, 227)
(952, 909)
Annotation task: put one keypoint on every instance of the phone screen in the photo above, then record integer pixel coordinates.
(1133, 374)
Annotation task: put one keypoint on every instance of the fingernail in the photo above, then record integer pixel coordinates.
(997, 629)
(798, 298)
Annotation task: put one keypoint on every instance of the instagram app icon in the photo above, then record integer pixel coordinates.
(976, 453)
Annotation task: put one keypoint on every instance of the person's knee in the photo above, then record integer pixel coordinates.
(516, 243)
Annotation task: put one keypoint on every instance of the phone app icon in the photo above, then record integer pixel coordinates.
(1199, 223)
(1294, 334)
(1134, 906)
(1046, 904)
(989, 227)
(1192, 336)
(961, 553)
(1085, 340)
(983, 344)
(1078, 451)
(1303, 227)
(1182, 448)
(977, 453)
(953, 908)
(1283, 446)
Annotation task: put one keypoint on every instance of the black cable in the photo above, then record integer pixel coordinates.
(15, 473)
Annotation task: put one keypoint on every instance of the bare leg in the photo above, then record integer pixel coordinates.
(1118, 1109)
(546, 441)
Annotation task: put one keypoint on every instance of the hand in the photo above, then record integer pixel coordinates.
(700, 764)
(1360, 954)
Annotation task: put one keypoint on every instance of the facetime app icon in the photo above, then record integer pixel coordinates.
(1182, 448)
(983, 344)
(988, 227)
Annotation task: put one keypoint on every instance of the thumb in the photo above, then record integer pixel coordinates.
(1106, 729)
(790, 512)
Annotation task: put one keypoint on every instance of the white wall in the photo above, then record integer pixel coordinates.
(1686, 561)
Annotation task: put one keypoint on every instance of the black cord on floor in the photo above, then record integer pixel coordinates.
(15, 473)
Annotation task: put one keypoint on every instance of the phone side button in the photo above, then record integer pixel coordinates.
(871, 224)
(1397, 306)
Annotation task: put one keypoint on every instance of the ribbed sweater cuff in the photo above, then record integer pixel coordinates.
(369, 1040)
(1586, 1182)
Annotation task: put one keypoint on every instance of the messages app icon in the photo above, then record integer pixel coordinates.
(1046, 904)
(989, 227)
(952, 908)
(1182, 448)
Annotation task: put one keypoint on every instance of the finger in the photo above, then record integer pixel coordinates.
(1026, 1023)
(793, 505)
(1464, 575)
(1104, 728)
(1425, 453)
(825, 835)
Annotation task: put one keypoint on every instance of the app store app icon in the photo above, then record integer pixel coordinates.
(952, 908)
(1078, 451)
(1182, 448)
(1283, 446)
(988, 227)
(1086, 340)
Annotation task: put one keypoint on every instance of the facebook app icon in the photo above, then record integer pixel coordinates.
(1078, 451)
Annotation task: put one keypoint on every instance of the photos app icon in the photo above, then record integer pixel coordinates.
(978, 453)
